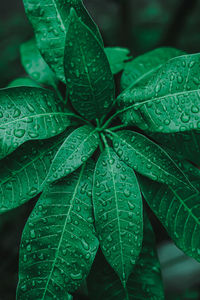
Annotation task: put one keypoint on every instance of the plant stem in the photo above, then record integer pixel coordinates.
(117, 127)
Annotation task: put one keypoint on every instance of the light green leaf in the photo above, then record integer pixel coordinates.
(178, 209)
(28, 113)
(142, 67)
(24, 171)
(186, 144)
(169, 101)
(118, 213)
(24, 81)
(117, 58)
(35, 65)
(74, 151)
(88, 75)
(58, 243)
(147, 158)
(49, 19)
(144, 282)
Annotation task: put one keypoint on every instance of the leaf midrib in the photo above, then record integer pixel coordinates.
(63, 231)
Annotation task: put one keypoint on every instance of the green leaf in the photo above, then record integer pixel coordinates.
(74, 151)
(24, 81)
(24, 171)
(88, 75)
(35, 65)
(169, 101)
(28, 113)
(178, 210)
(185, 144)
(58, 243)
(117, 58)
(49, 19)
(144, 282)
(147, 158)
(142, 67)
(118, 212)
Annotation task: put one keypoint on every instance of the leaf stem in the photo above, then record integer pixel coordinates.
(104, 140)
(117, 127)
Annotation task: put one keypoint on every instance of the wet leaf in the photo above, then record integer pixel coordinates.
(24, 171)
(23, 81)
(148, 158)
(117, 58)
(74, 151)
(88, 75)
(118, 213)
(49, 19)
(28, 113)
(169, 101)
(58, 243)
(144, 282)
(178, 210)
(142, 67)
(35, 65)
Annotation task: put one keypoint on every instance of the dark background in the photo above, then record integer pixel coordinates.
(140, 25)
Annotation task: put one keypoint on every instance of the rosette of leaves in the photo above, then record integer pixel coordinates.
(90, 167)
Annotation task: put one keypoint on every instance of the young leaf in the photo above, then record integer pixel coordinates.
(142, 67)
(28, 113)
(24, 81)
(35, 65)
(169, 101)
(49, 19)
(88, 75)
(117, 58)
(24, 171)
(144, 282)
(178, 210)
(74, 151)
(147, 158)
(58, 243)
(186, 144)
(118, 213)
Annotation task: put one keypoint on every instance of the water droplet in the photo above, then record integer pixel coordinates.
(19, 133)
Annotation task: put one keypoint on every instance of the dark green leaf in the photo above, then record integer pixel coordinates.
(117, 58)
(141, 68)
(144, 282)
(147, 158)
(58, 243)
(24, 81)
(178, 210)
(28, 113)
(35, 65)
(88, 75)
(169, 101)
(24, 171)
(118, 212)
(74, 151)
(49, 19)
(186, 144)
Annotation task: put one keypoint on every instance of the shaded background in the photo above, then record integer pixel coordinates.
(140, 25)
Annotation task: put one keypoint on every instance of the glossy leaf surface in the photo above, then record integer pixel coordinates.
(28, 113)
(147, 158)
(49, 19)
(142, 67)
(58, 243)
(117, 58)
(35, 65)
(169, 101)
(118, 212)
(74, 151)
(178, 210)
(23, 81)
(88, 75)
(144, 282)
(24, 171)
